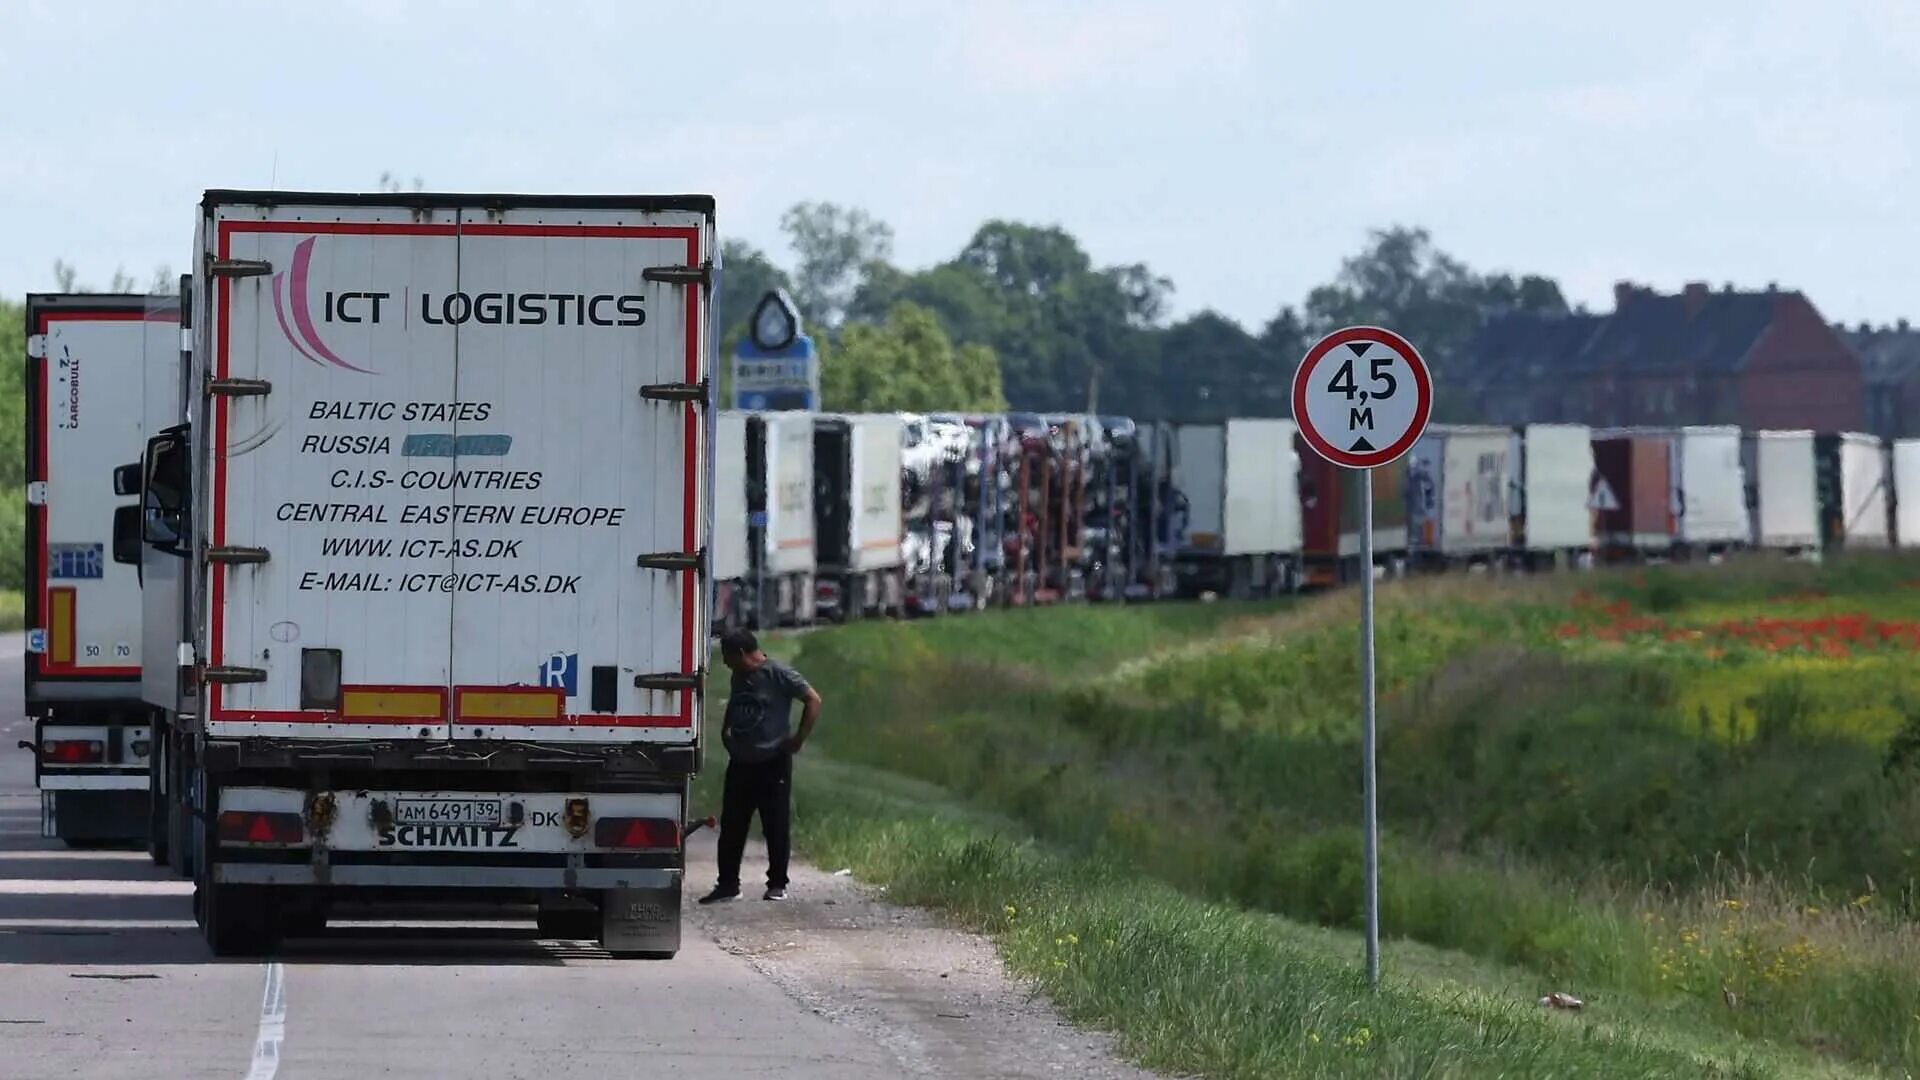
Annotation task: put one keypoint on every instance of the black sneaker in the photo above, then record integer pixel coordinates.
(718, 894)
(775, 892)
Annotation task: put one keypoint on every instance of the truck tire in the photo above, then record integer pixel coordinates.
(241, 920)
(1239, 580)
(181, 835)
(235, 920)
(159, 830)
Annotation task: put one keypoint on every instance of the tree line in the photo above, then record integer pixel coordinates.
(1063, 334)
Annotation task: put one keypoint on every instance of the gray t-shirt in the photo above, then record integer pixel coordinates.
(760, 711)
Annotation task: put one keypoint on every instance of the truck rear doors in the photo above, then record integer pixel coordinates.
(457, 467)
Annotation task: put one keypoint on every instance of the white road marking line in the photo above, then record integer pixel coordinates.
(273, 1025)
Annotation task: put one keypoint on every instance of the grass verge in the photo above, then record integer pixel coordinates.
(1193, 987)
(13, 610)
(1552, 801)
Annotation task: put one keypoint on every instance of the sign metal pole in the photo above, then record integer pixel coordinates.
(1367, 728)
(1362, 397)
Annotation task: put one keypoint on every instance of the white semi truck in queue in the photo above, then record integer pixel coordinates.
(435, 528)
(93, 362)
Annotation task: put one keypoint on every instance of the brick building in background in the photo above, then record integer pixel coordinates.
(1701, 356)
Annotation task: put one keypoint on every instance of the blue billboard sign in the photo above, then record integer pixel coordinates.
(775, 366)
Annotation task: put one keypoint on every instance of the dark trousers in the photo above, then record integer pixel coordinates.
(766, 787)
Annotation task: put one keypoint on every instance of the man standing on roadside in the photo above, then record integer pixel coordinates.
(758, 734)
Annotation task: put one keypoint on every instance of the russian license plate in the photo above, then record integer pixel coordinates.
(449, 812)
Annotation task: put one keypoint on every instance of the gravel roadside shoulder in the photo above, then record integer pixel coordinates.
(937, 998)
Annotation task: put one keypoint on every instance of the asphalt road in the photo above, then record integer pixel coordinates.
(103, 974)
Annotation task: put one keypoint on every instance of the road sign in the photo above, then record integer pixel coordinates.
(775, 366)
(1362, 397)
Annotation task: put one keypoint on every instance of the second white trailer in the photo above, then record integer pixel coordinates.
(1459, 485)
(1709, 489)
(1906, 492)
(857, 514)
(1241, 481)
(1554, 493)
(1783, 496)
(1854, 491)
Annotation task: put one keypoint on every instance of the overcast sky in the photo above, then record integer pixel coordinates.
(1240, 148)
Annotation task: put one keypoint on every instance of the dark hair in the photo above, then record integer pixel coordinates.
(741, 642)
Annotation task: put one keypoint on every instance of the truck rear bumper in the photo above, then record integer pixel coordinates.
(447, 877)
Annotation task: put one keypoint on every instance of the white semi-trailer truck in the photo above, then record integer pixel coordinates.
(442, 509)
(92, 361)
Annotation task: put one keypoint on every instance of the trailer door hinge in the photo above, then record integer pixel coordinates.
(674, 560)
(680, 275)
(226, 674)
(238, 268)
(669, 681)
(37, 493)
(688, 392)
(239, 387)
(235, 553)
(36, 346)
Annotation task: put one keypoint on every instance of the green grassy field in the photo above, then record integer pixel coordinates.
(1692, 798)
(12, 610)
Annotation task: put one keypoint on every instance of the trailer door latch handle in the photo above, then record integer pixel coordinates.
(673, 560)
(668, 681)
(679, 275)
(239, 387)
(235, 553)
(688, 392)
(237, 268)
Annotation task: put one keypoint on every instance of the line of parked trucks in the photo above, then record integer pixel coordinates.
(827, 516)
(383, 561)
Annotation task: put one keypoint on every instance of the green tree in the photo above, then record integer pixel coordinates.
(1068, 334)
(1402, 282)
(746, 275)
(908, 364)
(13, 444)
(836, 248)
(1212, 369)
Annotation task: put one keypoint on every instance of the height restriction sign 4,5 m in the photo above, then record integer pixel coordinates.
(1362, 397)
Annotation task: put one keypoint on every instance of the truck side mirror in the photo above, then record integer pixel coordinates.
(167, 496)
(126, 534)
(126, 479)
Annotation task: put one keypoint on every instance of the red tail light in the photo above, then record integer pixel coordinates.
(75, 751)
(637, 834)
(259, 827)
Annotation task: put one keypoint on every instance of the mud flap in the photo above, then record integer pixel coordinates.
(641, 922)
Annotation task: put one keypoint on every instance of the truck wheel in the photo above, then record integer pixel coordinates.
(241, 920)
(1239, 580)
(158, 828)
